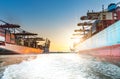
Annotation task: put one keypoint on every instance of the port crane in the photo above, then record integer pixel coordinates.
(8, 25)
(14, 27)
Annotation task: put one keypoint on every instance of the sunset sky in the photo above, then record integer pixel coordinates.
(52, 19)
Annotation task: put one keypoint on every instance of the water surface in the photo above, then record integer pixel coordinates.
(61, 66)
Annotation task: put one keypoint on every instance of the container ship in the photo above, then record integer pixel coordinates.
(14, 40)
(99, 32)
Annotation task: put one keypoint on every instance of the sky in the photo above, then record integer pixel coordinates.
(52, 19)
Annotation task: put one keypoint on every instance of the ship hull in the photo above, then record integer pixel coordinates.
(105, 54)
(17, 49)
(104, 43)
(113, 50)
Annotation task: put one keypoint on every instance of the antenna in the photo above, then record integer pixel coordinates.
(103, 8)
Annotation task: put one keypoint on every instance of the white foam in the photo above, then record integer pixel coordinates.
(61, 66)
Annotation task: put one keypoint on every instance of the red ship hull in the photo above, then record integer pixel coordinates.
(113, 50)
(107, 53)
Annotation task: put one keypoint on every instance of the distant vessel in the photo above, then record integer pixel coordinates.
(99, 32)
(14, 40)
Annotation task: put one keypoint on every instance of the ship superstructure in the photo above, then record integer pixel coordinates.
(99, 32)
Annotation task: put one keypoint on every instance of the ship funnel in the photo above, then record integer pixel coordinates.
(112, 7)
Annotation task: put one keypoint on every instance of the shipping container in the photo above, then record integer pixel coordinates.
(118, 12)
(2, 35)
(12, 38)
(7, 36)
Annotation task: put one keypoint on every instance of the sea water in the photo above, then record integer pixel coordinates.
(62, 66)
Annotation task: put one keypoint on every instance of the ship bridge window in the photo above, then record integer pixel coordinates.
(115, 14)
(115, 17)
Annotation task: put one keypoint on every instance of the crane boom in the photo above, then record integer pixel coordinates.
(118, 3)
(4, 22)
